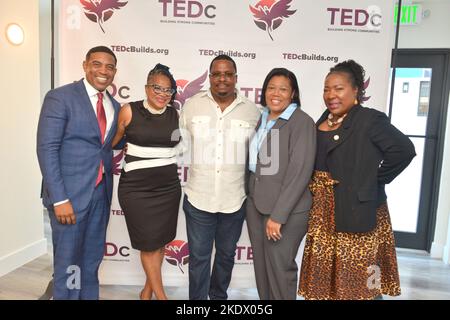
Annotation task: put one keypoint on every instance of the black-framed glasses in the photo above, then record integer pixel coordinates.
(226, 75)
(160, 90)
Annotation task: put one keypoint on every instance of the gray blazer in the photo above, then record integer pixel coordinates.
(284, 168)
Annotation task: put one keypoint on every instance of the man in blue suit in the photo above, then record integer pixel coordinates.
(76, 127)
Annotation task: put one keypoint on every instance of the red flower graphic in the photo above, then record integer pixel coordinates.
(99, 11)
(366, 84)
(177, 253)
(269, 14)
(188, 89)
(117, 160)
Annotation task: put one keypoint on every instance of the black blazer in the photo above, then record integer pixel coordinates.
(367, 152)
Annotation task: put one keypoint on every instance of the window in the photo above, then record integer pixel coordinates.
(424, 98)
(405, 87)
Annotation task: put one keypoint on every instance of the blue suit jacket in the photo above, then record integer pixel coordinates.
(69, 147)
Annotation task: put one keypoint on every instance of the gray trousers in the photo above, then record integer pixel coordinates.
(276, 271)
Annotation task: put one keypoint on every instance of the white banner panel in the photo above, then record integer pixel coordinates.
(307, 37)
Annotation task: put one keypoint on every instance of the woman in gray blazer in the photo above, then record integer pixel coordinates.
(281, 163)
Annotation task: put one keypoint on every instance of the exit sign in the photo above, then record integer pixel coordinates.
(410, 14)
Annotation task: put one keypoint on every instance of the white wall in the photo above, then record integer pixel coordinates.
(434, 32)
(441, 243)
(21, 228)
(45, 46)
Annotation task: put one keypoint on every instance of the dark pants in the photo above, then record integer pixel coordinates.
(203, 229)
(78, 250)
(274, 261)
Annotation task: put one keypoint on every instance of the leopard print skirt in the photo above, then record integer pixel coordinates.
(341, 265)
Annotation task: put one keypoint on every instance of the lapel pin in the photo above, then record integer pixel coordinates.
(336, 137)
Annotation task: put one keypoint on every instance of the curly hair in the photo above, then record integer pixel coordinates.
(355, 73)
(161, 69)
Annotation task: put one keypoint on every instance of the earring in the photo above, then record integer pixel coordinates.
(356, 101)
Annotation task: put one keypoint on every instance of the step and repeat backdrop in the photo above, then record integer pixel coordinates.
(305, 36)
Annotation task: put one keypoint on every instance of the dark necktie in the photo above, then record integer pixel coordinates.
(101, 118)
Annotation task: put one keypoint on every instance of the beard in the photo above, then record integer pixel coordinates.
(223, 94)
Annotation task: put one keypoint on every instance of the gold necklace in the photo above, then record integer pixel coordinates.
(332, 123)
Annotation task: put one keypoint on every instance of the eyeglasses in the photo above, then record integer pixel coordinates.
(160, 90)
(226, 75)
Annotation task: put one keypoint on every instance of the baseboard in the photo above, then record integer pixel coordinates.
(437, 250)
(16, 259)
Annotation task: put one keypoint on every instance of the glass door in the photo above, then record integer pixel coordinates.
(416, 111)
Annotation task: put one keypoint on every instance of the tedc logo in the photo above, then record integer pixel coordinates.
(269, 14)
(187, 12)
(186, 89)
(187, 9)
(113, 250)
(99, 11)
(360, 20)
(177, 253)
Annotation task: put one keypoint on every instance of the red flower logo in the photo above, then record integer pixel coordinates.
(99, 11)
(366, 84)
(187, 89)
(269, 14)
(116, 163)
(177, 253)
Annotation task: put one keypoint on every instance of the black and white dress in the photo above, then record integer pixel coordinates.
(149, 188)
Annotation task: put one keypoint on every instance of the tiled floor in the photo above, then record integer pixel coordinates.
(422, 278)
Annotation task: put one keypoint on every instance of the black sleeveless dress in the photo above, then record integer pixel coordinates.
(150, 197)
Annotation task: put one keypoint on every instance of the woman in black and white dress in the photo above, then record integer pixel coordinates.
(149, 188)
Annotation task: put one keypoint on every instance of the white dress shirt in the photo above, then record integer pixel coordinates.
(107, 104)
(217, 145)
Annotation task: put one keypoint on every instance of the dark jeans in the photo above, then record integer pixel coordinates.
(203, 229)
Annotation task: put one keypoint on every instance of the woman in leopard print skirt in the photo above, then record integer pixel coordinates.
(350, 249)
